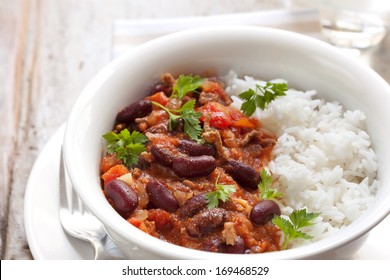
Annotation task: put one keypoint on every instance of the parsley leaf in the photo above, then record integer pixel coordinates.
(189, 116)
(261, 97)
(222, 192)
(302, 219)
(191, 121)
(297, 220)
(126, 146)
(185, 84)
(264, 187)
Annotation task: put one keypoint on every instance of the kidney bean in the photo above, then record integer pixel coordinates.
(162, 155)
(136, 110)
(237, 248)
(264, 211)
(194, 149)
(142, 163)
(193, 206)
(245, 175)
(160, 87)
(123, 197)
(205, 222)
(212, 244)
(161, 196)
(193, 166)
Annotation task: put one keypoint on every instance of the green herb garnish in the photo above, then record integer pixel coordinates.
(222, 192)
(264, 187)
(186, 84)
(189, 116)
(126, 146)
(297, 220)
(261, 96)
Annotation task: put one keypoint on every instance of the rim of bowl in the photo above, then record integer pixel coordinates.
(120, 226)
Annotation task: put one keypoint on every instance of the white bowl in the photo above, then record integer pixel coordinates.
(264, 53)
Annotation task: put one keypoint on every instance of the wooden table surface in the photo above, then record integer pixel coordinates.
(49, 49)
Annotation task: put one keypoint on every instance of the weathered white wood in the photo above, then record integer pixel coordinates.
(12, 34)
(65, 46)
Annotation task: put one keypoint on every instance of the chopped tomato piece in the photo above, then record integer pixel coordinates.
(240, 120)
(223, 116)
(220, 120)
(135, 222)
(245, 123)
(161, 218)
(156, 117)
(108, 161)
(208, 86)
(114, 172)
(219, 114)
(159, 97)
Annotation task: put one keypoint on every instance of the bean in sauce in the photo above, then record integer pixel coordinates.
(167, 198)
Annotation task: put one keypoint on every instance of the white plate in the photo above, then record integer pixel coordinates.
(45, 236)
(48, 241)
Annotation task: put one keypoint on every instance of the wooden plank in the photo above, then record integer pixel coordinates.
(13, 16)
(65, 46)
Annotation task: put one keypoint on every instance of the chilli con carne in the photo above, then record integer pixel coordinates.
(184, 166)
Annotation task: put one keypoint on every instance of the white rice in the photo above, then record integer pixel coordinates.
(323, 160)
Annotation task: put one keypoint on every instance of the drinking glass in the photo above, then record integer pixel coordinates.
(355, 24)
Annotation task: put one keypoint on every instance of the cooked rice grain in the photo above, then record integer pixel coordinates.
(323, 160)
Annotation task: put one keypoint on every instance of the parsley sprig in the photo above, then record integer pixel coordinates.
(297, 219)
(126, 146)
(222, 192)
(261, 96)
(264, 187)
(189, 116)
(186, 84)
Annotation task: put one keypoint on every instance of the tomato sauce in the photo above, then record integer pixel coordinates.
(184, 216)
